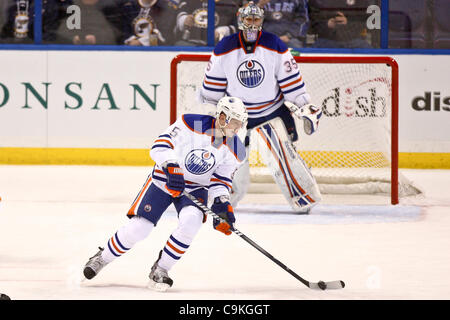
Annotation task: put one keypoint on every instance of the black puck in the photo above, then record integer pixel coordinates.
(322, 285)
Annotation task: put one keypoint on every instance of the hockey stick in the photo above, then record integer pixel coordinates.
(338, 284)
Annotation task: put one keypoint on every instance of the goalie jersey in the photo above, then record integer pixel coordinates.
(262, 78)
(206, 161)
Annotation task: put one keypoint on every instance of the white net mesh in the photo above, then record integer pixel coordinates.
(351, 151)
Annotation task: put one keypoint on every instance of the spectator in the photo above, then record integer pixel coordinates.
(95, 27)
(192, 22)
(339, 23)
(3, 10)
(147, 22)
(19, 25)
(288, 19)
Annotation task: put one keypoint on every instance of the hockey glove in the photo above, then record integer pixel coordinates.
(309, 113)
(223, 209)
(175, 179)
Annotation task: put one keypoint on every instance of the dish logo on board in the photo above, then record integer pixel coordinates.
(431, 102)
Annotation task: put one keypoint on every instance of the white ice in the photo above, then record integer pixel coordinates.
(53, 218)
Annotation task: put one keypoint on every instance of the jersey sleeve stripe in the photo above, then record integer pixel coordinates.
(166, 141)
(273, 102)
(289, 78)
(220, 181)
(211, 89)
(263, 102)
(215, 83)
(291, 83)
(294, 89)
(161, 146)
(272, 107)
(215, 78)
(222, 177)
(219, 185)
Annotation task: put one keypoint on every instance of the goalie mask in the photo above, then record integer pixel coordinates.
(250, 20)
(233, 108)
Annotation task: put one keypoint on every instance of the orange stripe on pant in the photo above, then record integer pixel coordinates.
(132, 211)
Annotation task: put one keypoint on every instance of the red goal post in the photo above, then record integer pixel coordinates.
(324, 61)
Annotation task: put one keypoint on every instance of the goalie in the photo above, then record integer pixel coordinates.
(257, 67)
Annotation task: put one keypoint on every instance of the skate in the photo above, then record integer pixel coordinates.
(94, 265)
(159, 278)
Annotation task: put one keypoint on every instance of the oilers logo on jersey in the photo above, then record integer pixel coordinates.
(250, 73)
(199, 161)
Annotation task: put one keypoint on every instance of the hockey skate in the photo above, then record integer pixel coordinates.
(159, 278)
(94, 265)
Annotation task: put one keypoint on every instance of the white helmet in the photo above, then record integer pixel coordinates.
(233, 108)
(250, 10)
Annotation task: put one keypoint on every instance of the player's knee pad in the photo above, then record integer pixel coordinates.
(137, 229)
(190, 220)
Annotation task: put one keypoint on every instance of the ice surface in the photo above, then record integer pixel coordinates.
(53, 218)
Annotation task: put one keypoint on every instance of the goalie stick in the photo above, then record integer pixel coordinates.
(338, 284)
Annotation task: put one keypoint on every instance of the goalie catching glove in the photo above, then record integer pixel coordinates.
(175, 179)
(309, 113)
(224, 210)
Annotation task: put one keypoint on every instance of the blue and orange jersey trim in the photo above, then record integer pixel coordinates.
(218, 180)
(271, 42)
(199, 123)
(227, 44)
(235, 41)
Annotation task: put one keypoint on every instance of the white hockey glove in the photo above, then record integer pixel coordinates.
(309, 113)
(207, 106)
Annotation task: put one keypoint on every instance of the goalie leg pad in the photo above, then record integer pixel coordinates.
(289, 170)
(241, 182)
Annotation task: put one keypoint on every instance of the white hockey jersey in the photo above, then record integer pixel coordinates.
(262, 78)
(205, 160)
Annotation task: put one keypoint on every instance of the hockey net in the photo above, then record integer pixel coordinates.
(355, 150)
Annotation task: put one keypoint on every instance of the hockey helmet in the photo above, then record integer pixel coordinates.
(233, 108)
(253, 11)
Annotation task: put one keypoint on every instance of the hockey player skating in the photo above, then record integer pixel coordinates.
(257, 67)
(197, 154)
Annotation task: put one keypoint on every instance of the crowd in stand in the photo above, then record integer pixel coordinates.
(299, 23)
